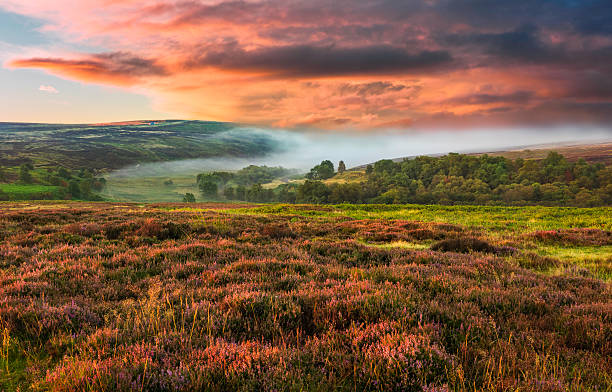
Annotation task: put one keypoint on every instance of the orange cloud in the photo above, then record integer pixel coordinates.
(342, 64)
(108, 68)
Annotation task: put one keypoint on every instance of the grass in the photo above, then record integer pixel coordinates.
(597, 259)
(177, 297)
(347, 176)
(494, 219)
(27, 191)
(150, 189)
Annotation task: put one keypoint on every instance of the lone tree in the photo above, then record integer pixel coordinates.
(341, 167)
(322, 171)
(189, 198)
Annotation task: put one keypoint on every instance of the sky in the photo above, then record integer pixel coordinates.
(344, 64)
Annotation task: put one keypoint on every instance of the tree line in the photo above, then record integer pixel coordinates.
(78, 184)
(451, 179)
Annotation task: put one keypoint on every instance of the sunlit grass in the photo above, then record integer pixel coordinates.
(495, 219)
(597, 259)
(399, 244)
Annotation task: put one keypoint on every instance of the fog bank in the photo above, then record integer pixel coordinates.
(302, 150)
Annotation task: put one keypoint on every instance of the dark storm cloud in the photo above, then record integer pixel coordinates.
(517, 97)
(522, 44)
(591, 85)
(305, 60)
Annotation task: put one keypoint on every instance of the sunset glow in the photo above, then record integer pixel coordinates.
(341, 64)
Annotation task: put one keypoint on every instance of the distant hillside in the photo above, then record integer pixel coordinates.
(592, 153)
(115, 145)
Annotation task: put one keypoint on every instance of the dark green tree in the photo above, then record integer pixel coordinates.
(313, 192)
(240, 192)
(341, 167)
(189, 198)
(228, 193)
(208, 187)
(24, 173)
(63, 172)
(74, 189)
(322, 171)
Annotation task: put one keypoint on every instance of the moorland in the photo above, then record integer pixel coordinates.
(169, 297)
(448, 273)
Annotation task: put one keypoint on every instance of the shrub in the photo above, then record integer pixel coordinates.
(464, 245)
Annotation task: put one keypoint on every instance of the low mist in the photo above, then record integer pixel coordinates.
(302, 150)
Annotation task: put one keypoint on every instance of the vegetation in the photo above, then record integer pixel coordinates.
(113, 146)
(322, 171)
(52, 184)
(294, 297)
(457, 179)
(189, 198)
(233, 184)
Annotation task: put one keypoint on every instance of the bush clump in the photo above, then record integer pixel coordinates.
(464, 245)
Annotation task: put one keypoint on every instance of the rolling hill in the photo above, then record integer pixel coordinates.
(115, 145)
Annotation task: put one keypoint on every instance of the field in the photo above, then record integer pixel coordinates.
(166, 297)
(34, 191)
(149, 189)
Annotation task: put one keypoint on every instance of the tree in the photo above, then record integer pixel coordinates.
(99, 183)
(2, 174)
(85, 189)
(255, 193)
(322, 171)
(63, 172)
(228, 193)
(313, 192)
(74, 189)
(286, 193)
(189, 198)
(341, 167)
(208, 187)
(24, 174)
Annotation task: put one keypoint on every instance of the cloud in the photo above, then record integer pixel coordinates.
(112, 68)
(309, 61)
(48, 89)
(517, 97)
(356, 64)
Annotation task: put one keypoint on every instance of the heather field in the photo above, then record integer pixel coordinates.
(183, 297)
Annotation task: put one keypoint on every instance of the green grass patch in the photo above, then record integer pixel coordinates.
(597, 259)
(494, 219)
(28, 191)
(150, 189)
